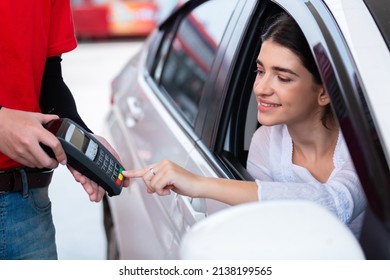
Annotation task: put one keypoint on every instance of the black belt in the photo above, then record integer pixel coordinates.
(11, 181)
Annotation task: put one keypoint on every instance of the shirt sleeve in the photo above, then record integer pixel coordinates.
(62, 37)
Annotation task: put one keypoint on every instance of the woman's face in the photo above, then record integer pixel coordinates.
(285, 90)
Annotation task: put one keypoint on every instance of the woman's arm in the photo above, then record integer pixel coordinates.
(165, 176)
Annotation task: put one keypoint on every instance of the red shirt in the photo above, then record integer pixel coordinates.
(30, 31)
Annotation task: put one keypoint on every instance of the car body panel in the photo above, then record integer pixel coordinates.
(144, 153)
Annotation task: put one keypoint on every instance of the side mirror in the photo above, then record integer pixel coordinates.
(274, 230)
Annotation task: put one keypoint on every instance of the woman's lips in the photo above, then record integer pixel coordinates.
(264, 106)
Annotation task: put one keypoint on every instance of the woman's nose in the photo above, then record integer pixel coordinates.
(262, 86)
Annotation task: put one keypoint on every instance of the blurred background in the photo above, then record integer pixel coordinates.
(111, 18)
(110, 33)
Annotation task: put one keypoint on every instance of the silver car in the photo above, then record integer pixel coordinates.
(187, 97)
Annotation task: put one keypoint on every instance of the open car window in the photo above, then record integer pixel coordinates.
(187, 55)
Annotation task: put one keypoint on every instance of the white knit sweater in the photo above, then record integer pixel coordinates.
(270, 163)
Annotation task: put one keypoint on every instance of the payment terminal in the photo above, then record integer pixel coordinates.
(87, 155)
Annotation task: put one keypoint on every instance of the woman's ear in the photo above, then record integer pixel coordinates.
(323, 97)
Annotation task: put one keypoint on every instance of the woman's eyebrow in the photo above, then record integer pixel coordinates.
(278, 68)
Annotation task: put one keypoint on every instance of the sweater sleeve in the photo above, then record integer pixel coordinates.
(56, 97)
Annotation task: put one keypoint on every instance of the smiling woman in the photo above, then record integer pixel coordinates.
(298, 153)
(285, 85)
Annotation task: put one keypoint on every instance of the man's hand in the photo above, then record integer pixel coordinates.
(94, 191)
(21, 134)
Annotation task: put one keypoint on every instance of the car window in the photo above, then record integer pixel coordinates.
(185, 69)
(238, 120)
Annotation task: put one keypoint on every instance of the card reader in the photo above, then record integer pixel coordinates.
(87, 155)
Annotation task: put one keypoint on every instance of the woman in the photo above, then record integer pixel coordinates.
(297, 153)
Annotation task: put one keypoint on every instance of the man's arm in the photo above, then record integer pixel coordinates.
(56, 98)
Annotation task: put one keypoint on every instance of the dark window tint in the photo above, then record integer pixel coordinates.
(192, 53)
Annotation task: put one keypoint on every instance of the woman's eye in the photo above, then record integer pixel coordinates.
(284, 80)
(259, 72)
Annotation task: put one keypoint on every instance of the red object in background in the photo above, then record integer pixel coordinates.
(112, 18)
(91, 21)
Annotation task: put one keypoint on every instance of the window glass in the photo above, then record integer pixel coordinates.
(192, 53)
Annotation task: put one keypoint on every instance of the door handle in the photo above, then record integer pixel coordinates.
(190, 213)
(135, 110)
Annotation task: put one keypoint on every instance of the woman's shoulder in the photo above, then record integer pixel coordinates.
(266, 150)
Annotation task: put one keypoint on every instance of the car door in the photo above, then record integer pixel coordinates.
(158, 113)
(224, 130)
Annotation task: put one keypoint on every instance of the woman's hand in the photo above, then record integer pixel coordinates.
(165, 176)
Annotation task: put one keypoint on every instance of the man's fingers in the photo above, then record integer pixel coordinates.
(45, 118)
(50, 141)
